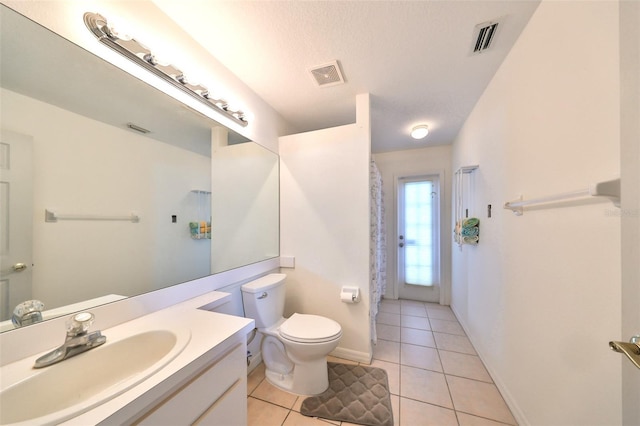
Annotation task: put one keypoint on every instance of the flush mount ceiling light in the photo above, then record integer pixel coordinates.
(138, 53)
(420, 132)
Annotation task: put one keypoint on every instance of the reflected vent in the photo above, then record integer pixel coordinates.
(484, 36)
(327, 74)
(138, 128)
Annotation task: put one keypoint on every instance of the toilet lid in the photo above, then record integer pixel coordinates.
(305, 328)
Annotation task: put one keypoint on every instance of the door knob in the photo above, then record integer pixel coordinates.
(19, 267)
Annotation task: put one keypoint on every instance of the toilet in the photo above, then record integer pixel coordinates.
(294, 349)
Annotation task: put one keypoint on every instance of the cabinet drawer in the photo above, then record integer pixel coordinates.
(201, 394)
(226, 410)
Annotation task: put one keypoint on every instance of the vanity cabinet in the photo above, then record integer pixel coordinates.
(215, 396)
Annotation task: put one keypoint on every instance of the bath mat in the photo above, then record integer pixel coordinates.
(356, 394)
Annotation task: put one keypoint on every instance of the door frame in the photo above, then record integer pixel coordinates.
(16, 285)
(443, 296)
(630, 199)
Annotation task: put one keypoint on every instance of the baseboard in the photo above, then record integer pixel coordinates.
(352, 355)
(508, 398)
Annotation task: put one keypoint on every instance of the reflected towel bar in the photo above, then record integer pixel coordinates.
(609, 189)
(50, 216)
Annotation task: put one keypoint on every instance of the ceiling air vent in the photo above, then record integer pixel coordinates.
(327, 75)
(484, 35)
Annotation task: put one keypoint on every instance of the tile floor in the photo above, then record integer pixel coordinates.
(435, 375)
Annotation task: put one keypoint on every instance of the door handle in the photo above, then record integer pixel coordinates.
(631, 349)
(19, 267)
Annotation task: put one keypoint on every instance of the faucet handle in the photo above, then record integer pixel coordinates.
(79, 323)
(28, 312)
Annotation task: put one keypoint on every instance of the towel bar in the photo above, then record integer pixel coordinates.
(609, 189)
(50, 216)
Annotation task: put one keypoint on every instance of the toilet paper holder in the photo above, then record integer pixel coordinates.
(350, 294)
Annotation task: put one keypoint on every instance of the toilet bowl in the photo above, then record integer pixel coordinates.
(294, 349)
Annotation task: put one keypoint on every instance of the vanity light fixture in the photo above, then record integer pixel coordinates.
(138, 53)
(420, 132)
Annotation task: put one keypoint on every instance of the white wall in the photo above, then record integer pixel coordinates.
(79, 260)
(430, 160)
(540, 295)
(245, 177)
(324, 190)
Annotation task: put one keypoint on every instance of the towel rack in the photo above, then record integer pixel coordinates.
(609, 189)
(50, 216)
(462, 195)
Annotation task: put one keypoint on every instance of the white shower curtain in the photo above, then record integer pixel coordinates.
(378, 247)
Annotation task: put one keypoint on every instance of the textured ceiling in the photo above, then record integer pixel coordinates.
(413, 57)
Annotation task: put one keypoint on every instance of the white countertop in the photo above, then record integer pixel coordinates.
(212, 334)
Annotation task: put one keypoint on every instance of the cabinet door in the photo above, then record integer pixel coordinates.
(198, 398)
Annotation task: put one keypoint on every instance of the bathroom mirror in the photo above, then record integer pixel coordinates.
(111, 188)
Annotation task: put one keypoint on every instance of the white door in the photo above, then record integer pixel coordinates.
(418, 238)
(16, 220)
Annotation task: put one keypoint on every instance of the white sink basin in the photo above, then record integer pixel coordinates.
(75, 385)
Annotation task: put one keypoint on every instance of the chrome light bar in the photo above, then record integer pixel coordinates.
(138, 53)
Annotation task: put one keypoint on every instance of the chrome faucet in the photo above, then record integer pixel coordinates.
(78, 340)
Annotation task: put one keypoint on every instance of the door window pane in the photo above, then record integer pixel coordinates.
(420, 225)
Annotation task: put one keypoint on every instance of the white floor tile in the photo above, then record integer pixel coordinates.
(417, 337)
(385, 350)
(387, 318)
(463, 365)
(421, 323)
(417, 311)
(413, 413)
(426, 386)
(388, 332)
(420, 357)
(452, 342)
(392, 308)
(435, 376)
(480, 399)
(444, 326)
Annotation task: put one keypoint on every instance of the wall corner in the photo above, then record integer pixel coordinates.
(363, 115)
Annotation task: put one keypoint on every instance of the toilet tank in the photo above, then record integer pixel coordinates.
(263, 299)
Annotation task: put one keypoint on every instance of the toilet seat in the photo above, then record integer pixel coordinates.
(304, 328)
